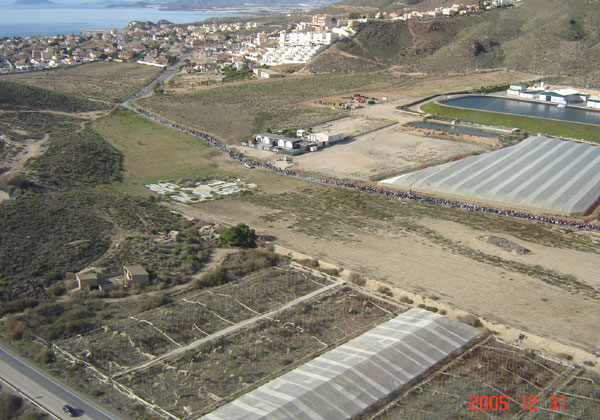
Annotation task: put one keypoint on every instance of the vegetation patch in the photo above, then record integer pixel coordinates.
(236, 111)
(531, 124)
(13, 407)
(227, 367)
(24, 125)
(46, 235)
(336, 213)
(153, 152)
(78, 158)
(15, 95)
(239, 235)
(102, 80)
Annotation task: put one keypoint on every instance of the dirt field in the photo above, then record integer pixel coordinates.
(388, 151)
(467, 273)
(395, 149)
(206, 378)
(492, 370)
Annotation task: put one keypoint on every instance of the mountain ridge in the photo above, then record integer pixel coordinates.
(562, 41)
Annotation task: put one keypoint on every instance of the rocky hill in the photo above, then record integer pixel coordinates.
(548, 38)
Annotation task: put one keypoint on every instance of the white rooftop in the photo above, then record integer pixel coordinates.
(542, 174)
(345, 381)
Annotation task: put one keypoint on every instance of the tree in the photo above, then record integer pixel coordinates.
(239, 235)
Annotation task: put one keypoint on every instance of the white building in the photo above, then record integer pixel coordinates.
(298, 47)
(516, 89)
(326, 138)
(593, 102)
(265, 73)
(306, 38)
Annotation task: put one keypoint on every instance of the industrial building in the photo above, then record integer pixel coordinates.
(540, 174)
(354, 377)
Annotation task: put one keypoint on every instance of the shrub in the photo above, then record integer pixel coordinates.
(17, 306)
(407, 300)
(357, 279)
(331, 271)
(309, 262)
(14, 328)
(239, 235)
(19, 181)
(56, 290)
(385, 291)
(237, 266)
(9, 404)
(565, 356)
(217, 277)
(471, 320)
(44, 356)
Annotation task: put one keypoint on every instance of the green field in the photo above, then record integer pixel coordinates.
(104, 81)
(531, 124)
(235, 111)
(154, 152)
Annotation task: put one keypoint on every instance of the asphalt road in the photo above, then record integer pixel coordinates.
(46, 390)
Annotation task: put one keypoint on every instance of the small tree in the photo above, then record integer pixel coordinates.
(239, 235)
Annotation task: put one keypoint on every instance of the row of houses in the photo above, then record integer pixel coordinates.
(557, 96)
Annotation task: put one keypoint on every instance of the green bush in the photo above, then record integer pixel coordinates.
(239, 235)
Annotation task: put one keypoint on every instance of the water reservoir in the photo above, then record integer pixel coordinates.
(455, 128)
(518, 107)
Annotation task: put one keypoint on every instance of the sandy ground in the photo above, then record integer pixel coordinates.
(404, 260)
(354, 125)
(4, 196)
(31, 149)
(389, 151)
(584, 266)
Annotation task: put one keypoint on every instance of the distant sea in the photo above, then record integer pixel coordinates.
(76, 18)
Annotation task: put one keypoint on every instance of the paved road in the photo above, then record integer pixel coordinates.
(46, 391)
(162, 77)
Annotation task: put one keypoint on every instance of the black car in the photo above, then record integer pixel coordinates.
(70, 410)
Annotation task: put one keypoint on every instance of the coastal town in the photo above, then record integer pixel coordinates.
(211, 46)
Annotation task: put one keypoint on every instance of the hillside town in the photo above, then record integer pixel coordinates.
(212, 46)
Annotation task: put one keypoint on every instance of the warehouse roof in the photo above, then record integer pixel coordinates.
(540, 174)
(348, 379)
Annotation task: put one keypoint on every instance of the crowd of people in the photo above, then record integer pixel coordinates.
(402, 195)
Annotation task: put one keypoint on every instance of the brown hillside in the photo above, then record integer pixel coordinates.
(549, 38)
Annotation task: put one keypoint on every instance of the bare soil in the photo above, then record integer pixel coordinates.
(129, 339)
(203, 379)
(494, 369)
(404, 258)
(388, 151)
